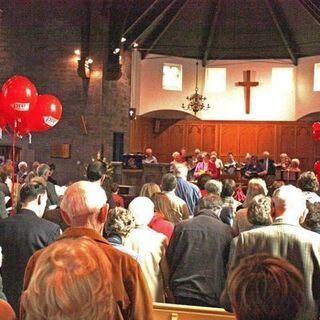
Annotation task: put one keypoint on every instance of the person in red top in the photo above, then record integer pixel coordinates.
(161, 221)
(117, 199)
(206, 166)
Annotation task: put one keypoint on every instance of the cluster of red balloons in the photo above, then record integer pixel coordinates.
(23, 110)
(316, 131)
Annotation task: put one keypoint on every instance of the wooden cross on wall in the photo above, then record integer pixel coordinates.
(247, 84)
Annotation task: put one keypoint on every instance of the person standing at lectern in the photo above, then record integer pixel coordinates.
(150, 158)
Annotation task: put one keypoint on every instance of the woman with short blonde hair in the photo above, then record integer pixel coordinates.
(71, 280)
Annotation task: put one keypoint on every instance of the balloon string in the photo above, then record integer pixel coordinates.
(13, 164)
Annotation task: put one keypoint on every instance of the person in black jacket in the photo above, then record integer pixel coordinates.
(21, 235)
(197, 256)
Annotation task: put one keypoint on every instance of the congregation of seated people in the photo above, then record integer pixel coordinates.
(230, 235)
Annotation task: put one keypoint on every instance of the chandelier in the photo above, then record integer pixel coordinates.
(196, 100)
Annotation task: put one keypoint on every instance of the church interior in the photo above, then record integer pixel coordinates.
(232, 77)
(131, 46)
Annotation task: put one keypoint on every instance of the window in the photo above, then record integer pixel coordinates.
(172, 77)
(316, 77)
(215, 80)
(282, 80)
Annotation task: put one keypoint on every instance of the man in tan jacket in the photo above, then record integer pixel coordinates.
(84, 208)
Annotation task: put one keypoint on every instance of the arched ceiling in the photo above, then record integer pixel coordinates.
(220, 29)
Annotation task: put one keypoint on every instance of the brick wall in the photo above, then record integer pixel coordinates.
(38, 39)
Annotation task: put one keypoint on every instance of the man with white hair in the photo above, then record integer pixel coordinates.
(287, 239)
(186, 190)
(85, 209)
(23, 171)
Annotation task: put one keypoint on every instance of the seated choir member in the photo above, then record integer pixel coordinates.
(263, 287)
(218, 162)
(84, 208)
(197, 256)
(23, 234)
(206, 166)
(150, 247)
(309, 184)
(254, 169)
(294, 166)
(71, 280)
(231, 165)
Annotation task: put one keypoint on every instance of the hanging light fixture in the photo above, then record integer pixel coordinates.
(196, 100)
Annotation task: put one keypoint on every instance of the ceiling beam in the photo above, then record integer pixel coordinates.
(212, 31)
(282, 32)
(144, 14)
(311, 9)
(142, 36)
(156, 40)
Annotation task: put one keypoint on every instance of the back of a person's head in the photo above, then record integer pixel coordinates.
(43, 170)
(162, 205)
(255, 186)
(313, 217)
(114, 187)
(31, 190)
(96, 170)
(263, 287)
(142, 209)
(308, 182)
(259, 211)
(211, 202)
(169, 182)
(202, 180)
(149, 189)
(228, 188)
(71, 280)
(81, 200)
(289, 201)
(213, 186)
(180, 170)
(120, 221)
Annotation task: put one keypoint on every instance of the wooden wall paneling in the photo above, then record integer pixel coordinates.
(229, 140)
(304, 147)
(287, 139)
(266, 140)
(208, 142)
(193, 137)
(247, 140)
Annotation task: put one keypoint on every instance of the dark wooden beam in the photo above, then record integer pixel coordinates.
(155, 41)
(144, 14)
(209, 42)
(311, 9)
(141, 37)
(282, 32)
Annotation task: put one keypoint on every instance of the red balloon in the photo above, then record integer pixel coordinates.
(19, 96)
(20, 126)
(316, 131)
(316, 167)
(46, 113)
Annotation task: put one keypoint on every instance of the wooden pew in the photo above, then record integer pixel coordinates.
(165, 311)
